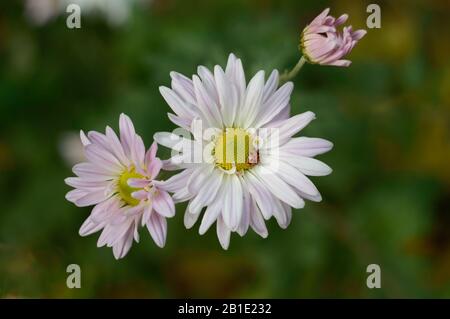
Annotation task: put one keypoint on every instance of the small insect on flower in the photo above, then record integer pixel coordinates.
(321, 42)
(119, 179)
(256, 168)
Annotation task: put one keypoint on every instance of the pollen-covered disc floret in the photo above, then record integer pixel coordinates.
(234, 150)
(256, 169)
(118, 177)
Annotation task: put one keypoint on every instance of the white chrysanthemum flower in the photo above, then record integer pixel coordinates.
(118, 177)
(249, 177)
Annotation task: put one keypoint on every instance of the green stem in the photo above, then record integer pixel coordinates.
(290, 75)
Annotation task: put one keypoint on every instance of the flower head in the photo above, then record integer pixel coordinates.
(252, 168)
(322, 43)
(119, 179)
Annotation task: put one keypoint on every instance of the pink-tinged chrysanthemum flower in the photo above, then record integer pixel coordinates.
(323, 44)
(248, 177)
(119, 179)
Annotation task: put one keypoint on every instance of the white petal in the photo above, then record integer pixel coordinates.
(260, 194)
(293, 177)
(199, 175)
(182, 195)
(183, 86)
(306, 146)
(253, 101)
(179, 121)
(271, 85)
(206, 105)
(176, 182)
(190, 219)
(281, 215)
(182, 108)
(227, 96)
(232, 207)
(275, 105)
(306, 165)
(207, 192)
(211, 214)
(208, 82)
(246, 207)
(173, 141)
(289, 127)
(223, 233)
(278, 187)
(257, 221)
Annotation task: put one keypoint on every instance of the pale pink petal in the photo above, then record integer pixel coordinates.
(127, 133)
(151, 154)
(84, 140)
(148, 210)
(116, 146)
(89, 227)
(323, 44)
(122, 247)
(154, 167)
(138, 182)
(163, 204)
(103, 159)
(140, 194)
(157, 227)
(92, 198)
(75, 195)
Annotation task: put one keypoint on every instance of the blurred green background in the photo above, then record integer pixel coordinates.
(387, 201)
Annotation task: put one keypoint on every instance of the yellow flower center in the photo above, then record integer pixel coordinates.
(125, 190)
(233, 148)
